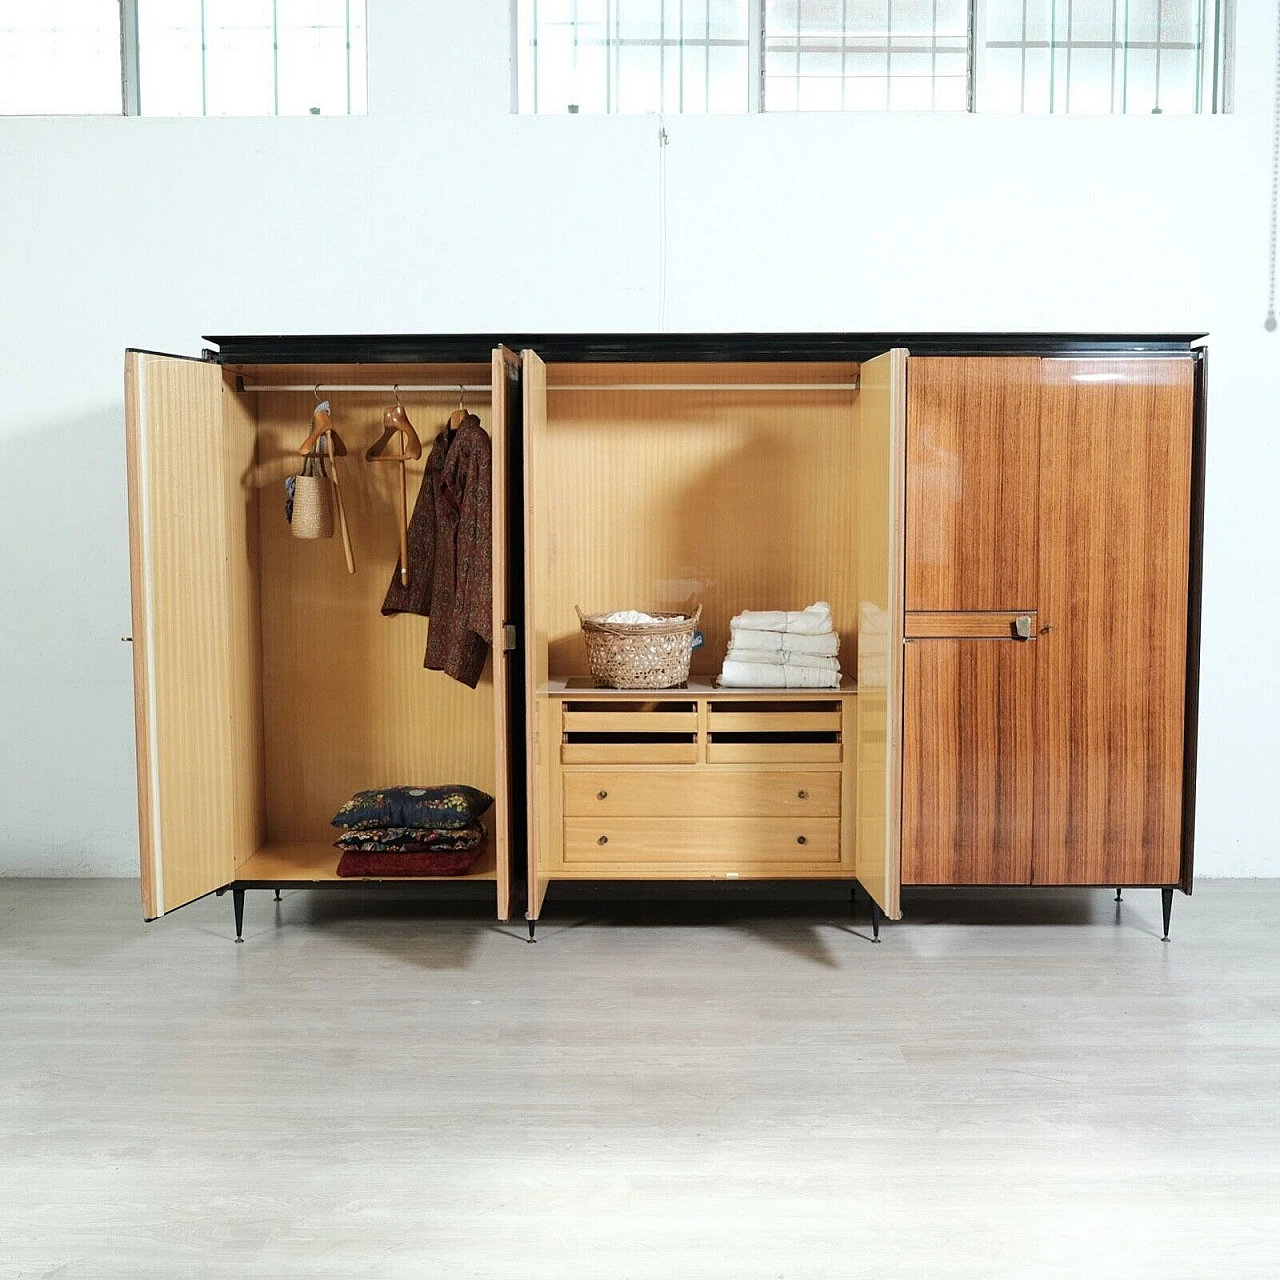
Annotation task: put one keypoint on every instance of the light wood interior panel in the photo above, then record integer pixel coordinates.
(1115, 508)
(659, 499)
(972, 482)
(969, 761)
(347, 702)
(190, 578)
(881, 432)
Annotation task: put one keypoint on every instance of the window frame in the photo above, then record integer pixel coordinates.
(1216, 70)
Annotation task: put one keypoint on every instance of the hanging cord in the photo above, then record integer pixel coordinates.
(663, 140)
(1275, 196)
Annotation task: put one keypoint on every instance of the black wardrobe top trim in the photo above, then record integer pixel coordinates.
(419, 348)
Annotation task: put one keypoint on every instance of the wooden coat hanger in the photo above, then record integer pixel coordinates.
(322, 430)
(395, 421)
(459, 415)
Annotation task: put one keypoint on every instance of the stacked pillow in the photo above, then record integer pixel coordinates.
(411, 831)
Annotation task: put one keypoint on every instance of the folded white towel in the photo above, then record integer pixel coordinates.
(766, 675)
(813, 621)
(782, 658)
(784, 641)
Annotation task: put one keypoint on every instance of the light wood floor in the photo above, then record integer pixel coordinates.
(718, 1087)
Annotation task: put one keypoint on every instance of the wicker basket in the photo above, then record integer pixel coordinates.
(640, 655)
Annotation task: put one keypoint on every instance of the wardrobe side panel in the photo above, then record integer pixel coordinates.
(505, 387)
(1115, 511)
(880, 423)
(972, 482)
(240, 452)
(184, 618)
(539, 799)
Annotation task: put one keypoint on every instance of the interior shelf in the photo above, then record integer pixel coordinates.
(584, 686)
(310, 862)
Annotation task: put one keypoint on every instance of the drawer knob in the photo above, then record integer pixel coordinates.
(602, 795)
(603, 840)
(804, 795)
(802, 839)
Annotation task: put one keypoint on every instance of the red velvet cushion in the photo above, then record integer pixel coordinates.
(390, 865)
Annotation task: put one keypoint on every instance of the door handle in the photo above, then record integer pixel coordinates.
(1022, 627)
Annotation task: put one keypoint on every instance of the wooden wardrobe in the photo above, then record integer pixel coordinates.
(268, 685)
(1007, 529)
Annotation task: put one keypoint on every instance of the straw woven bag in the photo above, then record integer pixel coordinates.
(640, 655)
(312, 501)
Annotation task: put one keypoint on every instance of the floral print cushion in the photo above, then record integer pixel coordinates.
(444, 808)
(411, 839)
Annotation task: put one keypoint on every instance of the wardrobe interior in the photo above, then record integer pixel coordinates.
(651, 487)
(326, 696)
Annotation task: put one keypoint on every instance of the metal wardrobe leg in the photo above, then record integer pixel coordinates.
(277, 894)
(1166, 904)
(532, 926)
(875, 919)
(1118, 897)
(237, 901)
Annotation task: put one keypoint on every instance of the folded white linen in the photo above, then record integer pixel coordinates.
(766, 675)
(782, 658)
(813, 621)
(783, 641)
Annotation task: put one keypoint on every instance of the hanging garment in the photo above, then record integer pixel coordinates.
(450, 544)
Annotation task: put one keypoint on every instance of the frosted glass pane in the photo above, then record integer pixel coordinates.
(729, 80)
(313, 70)
(1089, 92)
(60, 57)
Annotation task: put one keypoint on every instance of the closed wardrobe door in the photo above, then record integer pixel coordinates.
(1115, 515)
(969, 671)
(969, 756)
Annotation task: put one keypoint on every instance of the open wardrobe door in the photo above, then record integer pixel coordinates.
(506, 421)
(535, 653)
(880, 421)
(194, 614)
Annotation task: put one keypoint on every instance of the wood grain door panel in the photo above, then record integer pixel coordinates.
(969, 761)
(972, 482)
(1114, 561)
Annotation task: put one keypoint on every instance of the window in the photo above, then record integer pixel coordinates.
(622, 55)
(1077, 56)
(59, 57)
(183, 57)
(250, 57)
(866, 55)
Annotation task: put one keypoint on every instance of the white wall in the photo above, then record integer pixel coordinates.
(441, 211)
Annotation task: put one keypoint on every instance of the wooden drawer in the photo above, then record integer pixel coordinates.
(755, 844)
(775, 732)
(701, 793)
(598, 732)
